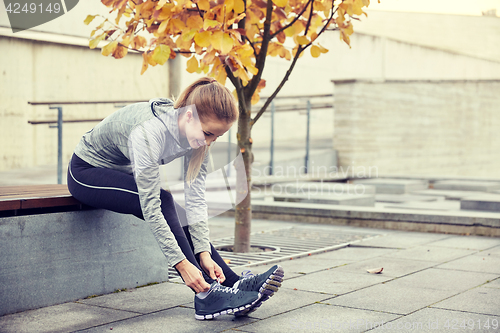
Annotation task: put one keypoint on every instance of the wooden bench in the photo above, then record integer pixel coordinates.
(36, 199)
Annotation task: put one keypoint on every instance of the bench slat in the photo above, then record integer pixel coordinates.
(35, 196)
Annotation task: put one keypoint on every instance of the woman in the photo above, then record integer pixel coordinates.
(115, 166)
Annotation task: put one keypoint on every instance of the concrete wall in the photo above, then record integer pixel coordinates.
(447, 128)
(33, 70)
(55, 258)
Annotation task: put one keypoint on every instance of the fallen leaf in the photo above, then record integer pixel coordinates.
(375, 270)
(227, 261)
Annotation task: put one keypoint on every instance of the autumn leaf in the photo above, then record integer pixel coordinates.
(280, 3)
(375, 270)
(192, 65)
(108, 49)
(202, 38)
(95, 42)
(161, 54)
(227, 43)
(315, 51)
(120, 52)
(89, 19)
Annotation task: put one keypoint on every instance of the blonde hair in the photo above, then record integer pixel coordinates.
(212, 101)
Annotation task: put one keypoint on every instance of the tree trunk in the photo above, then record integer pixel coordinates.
(243, 213)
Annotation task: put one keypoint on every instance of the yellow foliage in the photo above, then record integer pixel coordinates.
(202, 39)
(89, 19)
(108, 49)
(204, 5)
(227, 43)
(239, 6)
(192, 65)
(280, 3)
(315, 51)
(210, 24)
(161, 54)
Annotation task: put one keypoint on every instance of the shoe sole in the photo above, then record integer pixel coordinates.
(266, 291)
(229, 311)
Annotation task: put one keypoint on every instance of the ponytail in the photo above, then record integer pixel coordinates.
(212, 100)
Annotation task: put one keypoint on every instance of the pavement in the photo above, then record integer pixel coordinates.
(430, 283)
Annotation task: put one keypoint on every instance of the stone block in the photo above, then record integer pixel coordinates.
(393, 267)
(478, 300)
(443, 279)
(485, 202)
(447, 194)
(430, 253)
(480, 262)
(394, 186)
(68, 317)
(391, 298)
(443, 205)
(467, 185)
(346, 200)
(321, 318)
(394, 198)
(323, 188)
(468, 242)
(55, 258)
(431, 320)
(178, 319)
(146, 299)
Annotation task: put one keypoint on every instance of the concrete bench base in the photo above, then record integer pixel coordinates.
(54, 258)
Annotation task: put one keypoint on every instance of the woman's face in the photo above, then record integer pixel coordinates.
(200, 133)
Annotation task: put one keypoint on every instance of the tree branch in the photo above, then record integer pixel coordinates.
(293, 21)
(309, 19)
(282, 83)
(289, 71)
(261, 59)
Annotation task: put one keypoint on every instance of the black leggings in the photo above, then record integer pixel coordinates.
(117, 191)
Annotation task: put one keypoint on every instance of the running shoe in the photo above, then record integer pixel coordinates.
(266, 284)
(219, 300)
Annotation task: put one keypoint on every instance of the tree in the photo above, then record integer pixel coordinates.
(227, 39)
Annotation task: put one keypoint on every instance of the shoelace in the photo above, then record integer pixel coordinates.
(226, 289)
(246, 274)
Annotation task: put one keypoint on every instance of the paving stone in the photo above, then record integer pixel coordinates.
(320, 318)
(286, 300)
(392, 267)
(345, 200)
(394, 186)
(398, 198)
(178, 319)
(438, 320)
(334, 282)
(402, 240)
(354, 253)
(443, 279)
(66, 317)
(466, 185)
(443, 205)
(430, 253)
(391, 298)
(493, 284)
(321, 188)
(468, 242)
(447, 194)
(146, 299)
(485, 202)
(478, 300)
(475, 263)
(495, 251)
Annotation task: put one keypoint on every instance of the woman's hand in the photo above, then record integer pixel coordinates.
(210, 267)
(192, 276)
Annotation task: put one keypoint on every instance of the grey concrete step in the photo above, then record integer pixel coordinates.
(346, 199)
(485, 202)
(394, 186)
(448, 194)
(443, 205)
(399, 198)
(464, 185)
(324, 188)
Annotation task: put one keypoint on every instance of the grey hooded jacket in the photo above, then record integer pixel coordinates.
(137, 139)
